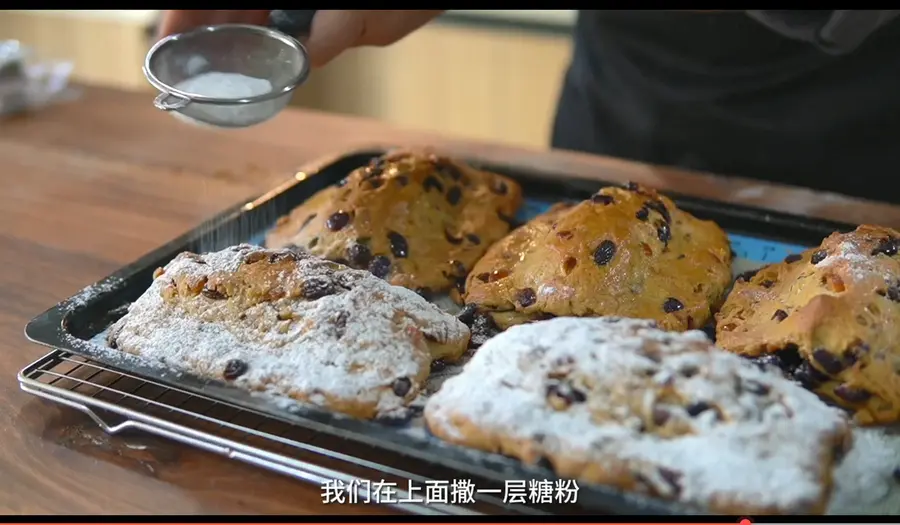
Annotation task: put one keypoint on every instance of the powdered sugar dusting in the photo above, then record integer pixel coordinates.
(864, 482)
(770, 448)
(228, 86)
(344, 349)
(86, 295)
(860, 266)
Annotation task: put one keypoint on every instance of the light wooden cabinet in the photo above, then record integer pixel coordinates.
(107, 47)
(480, 83)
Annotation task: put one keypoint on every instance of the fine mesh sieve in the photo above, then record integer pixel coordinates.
(253, 51)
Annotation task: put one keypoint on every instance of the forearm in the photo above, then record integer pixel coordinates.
(836, 32)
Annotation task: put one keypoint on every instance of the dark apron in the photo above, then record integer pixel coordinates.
(722, 93)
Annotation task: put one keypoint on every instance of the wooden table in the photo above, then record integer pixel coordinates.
(93, 184)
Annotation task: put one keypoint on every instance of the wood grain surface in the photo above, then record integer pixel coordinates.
(93, 184)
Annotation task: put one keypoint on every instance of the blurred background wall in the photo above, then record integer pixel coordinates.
(489, 75)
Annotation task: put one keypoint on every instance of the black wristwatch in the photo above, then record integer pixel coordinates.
(294, 23)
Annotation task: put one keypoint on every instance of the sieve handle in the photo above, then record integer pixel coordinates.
(295, 23)
(170, 101)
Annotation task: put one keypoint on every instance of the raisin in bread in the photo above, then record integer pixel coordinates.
(830, 317)
(627, 251)
(419, 221)
(619, 402)
(293, 325)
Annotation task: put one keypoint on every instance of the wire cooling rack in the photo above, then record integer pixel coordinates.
(121, 402)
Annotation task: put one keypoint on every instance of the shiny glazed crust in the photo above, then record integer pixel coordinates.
(620, 402)
(292, 325)
(418, 220)
(627, 251)
(830, 317)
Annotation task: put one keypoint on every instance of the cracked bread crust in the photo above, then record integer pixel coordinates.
(829, 317)
(293, 325)
(619, 402)
(418, 220)
(626, 251)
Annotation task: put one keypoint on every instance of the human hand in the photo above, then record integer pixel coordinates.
(335, 31)
(179, 21)
(332, 32)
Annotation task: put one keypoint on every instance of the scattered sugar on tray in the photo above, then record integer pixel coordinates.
(90, 292)
(100, 338)
(308, 358)
(777, 461)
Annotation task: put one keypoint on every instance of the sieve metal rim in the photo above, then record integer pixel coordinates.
(188, 98)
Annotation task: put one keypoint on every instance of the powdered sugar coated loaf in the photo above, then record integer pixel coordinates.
(620, 402)
(829, 317)
(293, 325)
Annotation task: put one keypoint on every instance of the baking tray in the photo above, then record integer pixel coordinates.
(757, 235)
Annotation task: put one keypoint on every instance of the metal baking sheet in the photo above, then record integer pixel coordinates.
(757, 236)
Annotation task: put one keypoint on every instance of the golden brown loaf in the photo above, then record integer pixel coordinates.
(293, 325)
(620, 402)
(417, 220)
(627, 251)
(830, 317)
